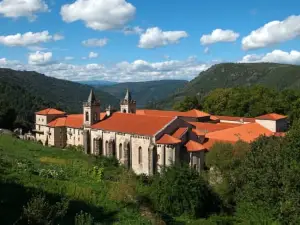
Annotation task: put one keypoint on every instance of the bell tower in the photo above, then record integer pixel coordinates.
(91, 110)
(128, 105)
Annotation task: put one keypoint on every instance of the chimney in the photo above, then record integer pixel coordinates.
(108, 111)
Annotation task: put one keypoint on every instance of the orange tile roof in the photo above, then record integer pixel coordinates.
(134, 124)
(210, 142)
(73, 120)
(237, 119)
(179, 132)
(168, 139)
(214, 118)
(193, 146)
(50, 111)
(198, 132)
(279, 134)
(191, 113)
(211, 127)
(271, 116)
(246, 132)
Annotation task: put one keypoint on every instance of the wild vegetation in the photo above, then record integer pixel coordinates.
(245, 101)
(22, 93)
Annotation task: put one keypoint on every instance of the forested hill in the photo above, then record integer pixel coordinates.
(225, 75)
(25, 92)
(147, 92)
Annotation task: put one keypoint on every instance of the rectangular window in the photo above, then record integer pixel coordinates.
(74, 131)
(140, 155)
(87, 116)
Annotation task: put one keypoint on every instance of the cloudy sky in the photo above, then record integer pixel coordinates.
(137, 40)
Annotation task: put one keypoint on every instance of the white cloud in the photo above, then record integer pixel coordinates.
(93, 55)
(99, 14)
(219, 35)
(40, 58)
(272, 33)
(69, 58)
(276, 56)
(138, 70)
(22, 8)
(155, 37)
(95, 42)
(206, 50)
(36, 48)
(27, 39)
(58, 37)
(132, 30)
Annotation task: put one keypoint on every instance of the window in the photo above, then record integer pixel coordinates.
(86, 116)
(73, 131)
(124, 110)
(106, 147)
(120, 150)
(140, 155)
(78, 132)
(60, 130)
(78, 139)
(95, 116)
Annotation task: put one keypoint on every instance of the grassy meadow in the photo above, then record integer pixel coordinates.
(95, 189)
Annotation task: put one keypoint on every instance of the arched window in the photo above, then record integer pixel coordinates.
(140, 155)
(124, 110)
(120, 150)
(95, 116)
(87, 116)
(106, 148)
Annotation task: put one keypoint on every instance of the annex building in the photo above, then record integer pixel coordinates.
(145, 140)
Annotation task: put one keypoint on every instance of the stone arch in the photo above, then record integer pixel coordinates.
(120, 151)
(111, 148)
(98, 146)
(152, 159)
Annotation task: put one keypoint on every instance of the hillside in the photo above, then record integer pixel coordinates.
(146, 92)
(26, 92)
(225, 75)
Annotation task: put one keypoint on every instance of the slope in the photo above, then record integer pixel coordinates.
(225, 75)
(27, 91)
(146, 92)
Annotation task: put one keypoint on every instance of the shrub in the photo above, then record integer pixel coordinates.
(181, 190)
(124, 190)
(83, 218)
(39, 211)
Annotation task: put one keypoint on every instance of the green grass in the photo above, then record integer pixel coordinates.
(27, 168)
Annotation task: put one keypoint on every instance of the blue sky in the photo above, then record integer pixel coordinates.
(168, 39)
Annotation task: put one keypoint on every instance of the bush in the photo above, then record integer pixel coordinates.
(83, 218)
(181, 190)
(39, 211)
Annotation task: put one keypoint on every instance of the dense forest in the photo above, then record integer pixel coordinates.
(22, 93)
(227, 75)
(245, 101)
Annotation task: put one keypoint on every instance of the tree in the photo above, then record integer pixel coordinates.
(187, 104)
(224, 159)
(181, 190)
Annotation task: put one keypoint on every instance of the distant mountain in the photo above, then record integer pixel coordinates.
(26, 92)
(96, 83)
(147, 92)
(278, 76)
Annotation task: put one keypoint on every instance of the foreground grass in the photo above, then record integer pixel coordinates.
(89, 183)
